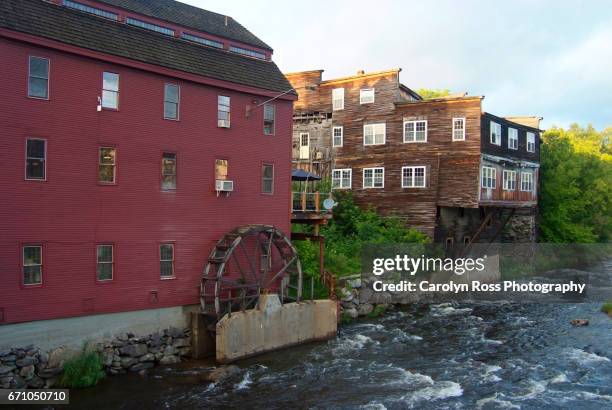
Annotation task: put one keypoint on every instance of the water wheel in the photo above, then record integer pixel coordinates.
(246, 262)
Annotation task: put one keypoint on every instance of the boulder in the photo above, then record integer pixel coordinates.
(580, 322)
(127, 362)
(169, 360)
(149, 357)
(175, 332)
(4, 352)
(365, 309)
(170, 350)
(181, 342)
(26, 361)
(57, 357)
(6, 369)
(49, 372)
(351, 312)
(36, 383)
(141, 366)
(346, 295)
(184, 351)
(134, 350)
(354, 283)
(27, 372)
(221, 373)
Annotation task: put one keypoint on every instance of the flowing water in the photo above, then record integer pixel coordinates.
(449, 356)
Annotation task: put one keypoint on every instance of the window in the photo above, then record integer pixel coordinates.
(91, 10)
(415, 131)
(526, 181)
(36, 151)
(267, 179)
(512, 138)
(374, 134)
(104, 268)
(171, 101)
(38, 78)
(202, 40)
(337, 136)
(269, 114)
(509, 180)
(166, 260)
(495, 133)
(304, 145)
(246, 52)
(374, 178)
(458, 129)
(32, 265)
(530, 142)
(223, 112)
(366, 96)
(221, 169)
(168, 171)
(149, 26)
(106, 165)
(342, 178)
(488, 177)
(110, 90)
(337, 99)
(413, 177)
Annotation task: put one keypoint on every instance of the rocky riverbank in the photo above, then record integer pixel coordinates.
(29, 367)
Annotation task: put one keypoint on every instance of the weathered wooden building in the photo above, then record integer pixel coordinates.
(443, 165)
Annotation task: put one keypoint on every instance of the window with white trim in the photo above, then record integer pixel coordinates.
(509, 180)
(38, 78)
(106, 165)
(171, 101)
(269, 118)
(36, 164)
(413, 177)
(527, 181)
(374, 177)
(338, 99)
(458, 129)
(223, 111)
(110, 90)
(495, 133)
(267, 179)
(166, 260)
(337, 136)
(530, 142)
(32, 265)
(168, 171)
(415, 131)
(366, 96)
(105, 260)
(342, 178)
(512, 138)
(374, 134)
(488, 177)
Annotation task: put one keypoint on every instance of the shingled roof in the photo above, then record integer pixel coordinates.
(72, 27)
(193, 17)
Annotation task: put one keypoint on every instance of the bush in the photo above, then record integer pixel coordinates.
(82, 370)
(377, 312)
(607, 308)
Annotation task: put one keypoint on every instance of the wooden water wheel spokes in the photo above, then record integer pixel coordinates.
(246, 262)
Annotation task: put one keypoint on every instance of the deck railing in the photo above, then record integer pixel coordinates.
(309, 201)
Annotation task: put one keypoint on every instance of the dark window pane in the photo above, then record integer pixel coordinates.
(105, 253)
(37, 87)
(268, 171)
(39, 67)
(31, 275)
(36, 148)
(107, 155)
(166, 268)
(35, 169)
(170, 110)
(32, 255)
(267, 186)
(166, 252)
(107, 173)
(105, 271)
(169, 182)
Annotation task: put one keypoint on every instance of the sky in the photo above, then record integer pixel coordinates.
(547, 58)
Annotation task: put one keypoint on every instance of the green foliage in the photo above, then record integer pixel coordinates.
(346, 234)
(576, 185)
(428, 94)
(82, 370)
(378, 311)
(607, 308)
(346, 319)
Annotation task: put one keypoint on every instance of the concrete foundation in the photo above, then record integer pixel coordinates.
(72, 333)
(273, 326)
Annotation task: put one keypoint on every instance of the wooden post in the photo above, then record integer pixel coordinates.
(317, 207)
(303, 201)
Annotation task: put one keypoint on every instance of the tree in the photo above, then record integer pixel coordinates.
(428, 94)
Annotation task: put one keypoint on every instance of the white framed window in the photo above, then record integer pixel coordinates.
(166, 260)
(495, 133)
(38, 78)
(223, 111)
(415, 131)
(458, 129)
(171, 101)
(32, 265)
(267, 178)
(366, 96)
(110, 90)
(488, 177)
(512, 138)
(269, 118)
(337, 136)
(509, 180)
(342, 178)
(338, 99)
(36, 163)
(168, 182)
(106, 165)
(304, 145)
(530, 142)
(105, 261)
(414, 177)
(374, 134)
(374, 177)
(527, 181)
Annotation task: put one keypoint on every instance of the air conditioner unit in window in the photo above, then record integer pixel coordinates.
(224, 185)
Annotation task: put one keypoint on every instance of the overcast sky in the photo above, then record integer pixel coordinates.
(546, 58)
